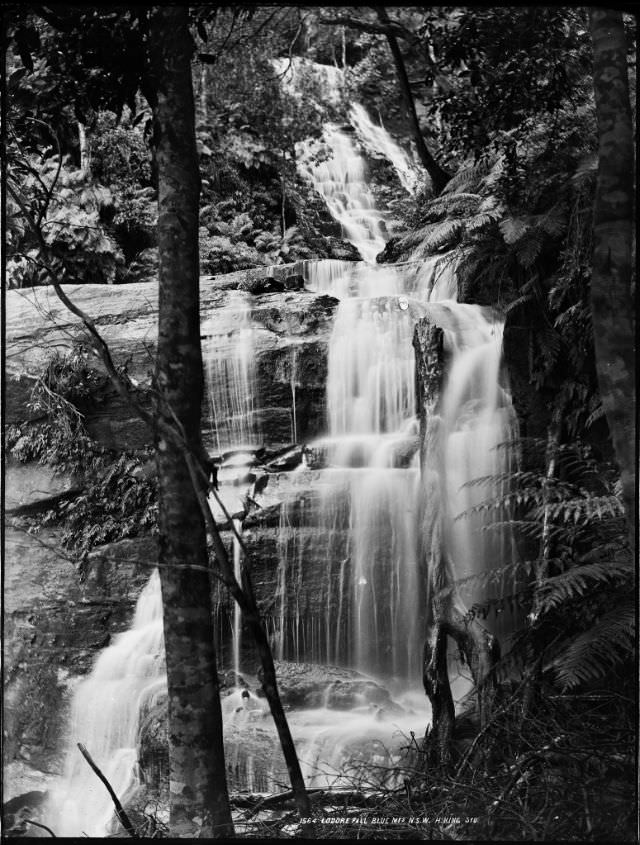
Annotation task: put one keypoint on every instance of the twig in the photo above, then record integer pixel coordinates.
(43, 826)
(122, 816)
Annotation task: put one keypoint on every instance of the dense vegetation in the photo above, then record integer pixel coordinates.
(505, 105)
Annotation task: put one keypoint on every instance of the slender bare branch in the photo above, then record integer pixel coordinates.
(43, 826)
(122, 816)
(375, 28)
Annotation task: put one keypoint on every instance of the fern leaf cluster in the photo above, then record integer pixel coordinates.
(569, 595)
(592, 654)
(578, 581)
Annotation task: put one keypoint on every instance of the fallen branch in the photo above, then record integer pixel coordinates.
(275, 801)
(122, 816)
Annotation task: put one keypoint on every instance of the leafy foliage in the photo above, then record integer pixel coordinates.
(119, 501)
(591, 655)
(119, 498)
(59, 437)
(70, 212)
(510, 63)
(583, 571)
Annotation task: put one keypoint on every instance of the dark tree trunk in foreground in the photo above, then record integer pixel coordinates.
(199, 804)
(244, 596)
(611, 300)
(438, 176)
(447, 615)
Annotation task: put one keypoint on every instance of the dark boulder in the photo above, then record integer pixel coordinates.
(264, 284)
(391, 252)
(294, 282)
(307, 685)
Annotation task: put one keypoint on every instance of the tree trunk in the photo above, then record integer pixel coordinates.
(199, 803)
(438, 176)
(612, 304)
(244, 596)
(447, 615)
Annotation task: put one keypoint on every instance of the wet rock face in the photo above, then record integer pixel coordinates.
(54, 626)
(18, 809)
(154, 744)
(57, 622)
(306, 685)
(291, 328)
(302, 686)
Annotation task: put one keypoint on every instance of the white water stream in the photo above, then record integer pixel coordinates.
(374, 620)
(128, 677)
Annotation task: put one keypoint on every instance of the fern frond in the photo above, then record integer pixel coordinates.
(529, 247)
(519, 478)
(579, 580)
(594, 653)
(513, 229)
(596, 414)
(443, 234)
(416, 236)
(470, 177)
(491, 576)
(513, 601)
(479, 221)
(582, 509)
(521, 300)
(553, 494)
(554, 222)
(453, 203)
(550, 345)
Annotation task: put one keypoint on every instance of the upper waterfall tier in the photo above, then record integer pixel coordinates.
(378, 141)
(341, 181)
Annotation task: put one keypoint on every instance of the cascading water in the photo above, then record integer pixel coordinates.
(128, 677)
(229, 361)
(370, 406)
(340, 178)
(377, 139)
(479, 425)
(372, 600)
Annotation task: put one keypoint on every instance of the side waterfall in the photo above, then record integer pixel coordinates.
(127, 678)
(367, 512)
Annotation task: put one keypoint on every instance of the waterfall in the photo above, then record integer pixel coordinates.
(371, 417)
(479, 425)
(378, 140)
(369, 611)
(127, 678)
(229, 362)
(341, 181)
